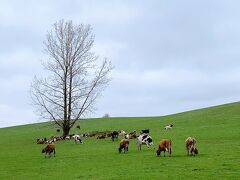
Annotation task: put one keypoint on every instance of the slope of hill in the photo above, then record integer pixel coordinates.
(216, 130)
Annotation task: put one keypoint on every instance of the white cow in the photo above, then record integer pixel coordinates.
(77, 138)
(170, 126)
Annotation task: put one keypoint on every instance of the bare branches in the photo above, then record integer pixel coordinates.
(76, 81)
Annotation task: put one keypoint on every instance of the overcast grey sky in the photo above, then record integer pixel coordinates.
(169, 56)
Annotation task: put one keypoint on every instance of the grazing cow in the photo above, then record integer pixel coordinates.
(40, 141)
(67, 137)
(101, 136)
(121, 133)
(108, 134)
(114, 135)
(164, 145)
(145, 131)
(49, 149)
(144, 139)
(191, 146)
(170, 126)
(124, 143)
(132, 135)
(77, 138)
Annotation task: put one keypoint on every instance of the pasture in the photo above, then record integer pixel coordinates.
(216, 130)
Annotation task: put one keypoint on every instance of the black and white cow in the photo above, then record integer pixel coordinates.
(144, 139)
(114, 135)
(77, 138)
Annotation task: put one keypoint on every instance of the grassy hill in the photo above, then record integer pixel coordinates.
(216, 130)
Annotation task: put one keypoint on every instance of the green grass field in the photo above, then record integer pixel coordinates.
(216, 130)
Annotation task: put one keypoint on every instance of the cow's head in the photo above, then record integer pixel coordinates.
(43, 151)
(158, 152)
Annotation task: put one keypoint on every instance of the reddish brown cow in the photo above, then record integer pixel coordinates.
(165, 145)
(191, 146)
(124, 143)
(49, 149)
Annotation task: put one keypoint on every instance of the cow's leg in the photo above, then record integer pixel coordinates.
(170, 152)
(164, 153)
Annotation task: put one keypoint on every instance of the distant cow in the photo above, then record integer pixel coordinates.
(124, 143)
(67, 137)
(114, 135)
(144, 139)
(77, 138)
(49, 149)
(101, 136)
(40, 141)
(191, 146)
(170, 126)
(132, 135)
(121, 133)
(164, 145)
(145, 131)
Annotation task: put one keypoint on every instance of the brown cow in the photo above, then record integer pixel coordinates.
(101, 136)
(132, 135)
(49, 149)
(191, 146)
(40, 141)
(124, 143)
(165, 145)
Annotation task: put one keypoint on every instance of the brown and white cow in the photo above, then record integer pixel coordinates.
(191, 146)
(164, 145)
(124, 143)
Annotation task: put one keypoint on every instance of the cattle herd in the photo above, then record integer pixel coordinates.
(143, 138)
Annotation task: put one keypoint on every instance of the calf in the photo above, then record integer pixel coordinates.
(191, 146)
(124, 143)
(164, 145)
(144, 139)
(49, 149)
(77, 138)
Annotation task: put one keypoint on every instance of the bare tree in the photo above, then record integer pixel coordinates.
(75, 79)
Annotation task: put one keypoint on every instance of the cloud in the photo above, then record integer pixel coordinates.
(169, 56)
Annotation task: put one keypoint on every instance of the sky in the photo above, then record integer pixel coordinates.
(169, 56)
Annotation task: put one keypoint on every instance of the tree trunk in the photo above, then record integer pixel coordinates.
(66, 130)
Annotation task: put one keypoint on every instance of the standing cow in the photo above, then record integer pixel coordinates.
(191, 146)
(49, 149)
(114, 135)
(164, 145)
(144, 139)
